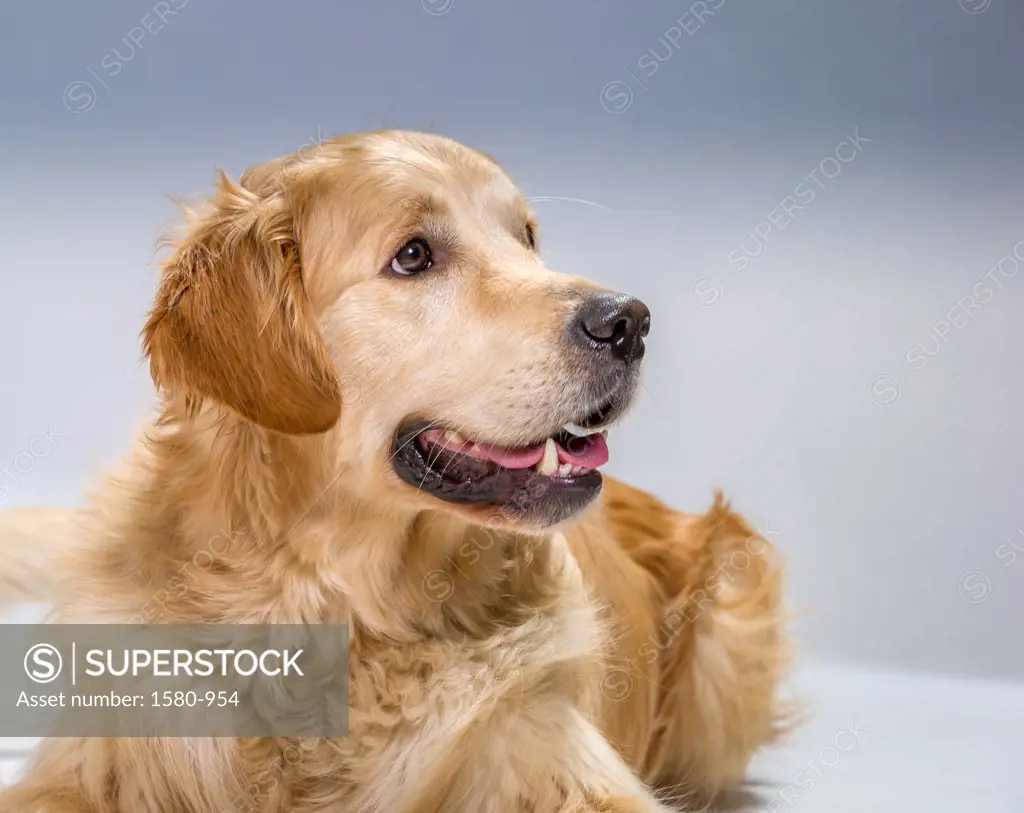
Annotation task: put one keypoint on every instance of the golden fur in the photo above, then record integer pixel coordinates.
(627, 661)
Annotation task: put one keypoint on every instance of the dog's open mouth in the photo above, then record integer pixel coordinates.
(546, 481)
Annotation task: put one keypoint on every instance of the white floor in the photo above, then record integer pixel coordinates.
(13, 749)
(896, 743)
(871, 741)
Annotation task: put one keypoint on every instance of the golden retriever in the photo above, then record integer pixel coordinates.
(392, 414)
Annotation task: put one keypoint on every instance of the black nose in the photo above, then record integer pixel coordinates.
(616, 322)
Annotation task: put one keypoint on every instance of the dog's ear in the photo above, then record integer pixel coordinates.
(232, 323)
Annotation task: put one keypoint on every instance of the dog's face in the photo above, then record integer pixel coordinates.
(388, 288)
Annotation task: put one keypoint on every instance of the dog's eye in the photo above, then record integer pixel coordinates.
(531, 237)
(413, 258)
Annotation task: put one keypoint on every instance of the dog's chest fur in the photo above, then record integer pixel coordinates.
(508, 644)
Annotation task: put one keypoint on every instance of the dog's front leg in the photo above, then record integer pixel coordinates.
(546, 758)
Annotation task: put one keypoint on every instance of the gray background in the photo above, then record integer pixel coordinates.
(890, 496)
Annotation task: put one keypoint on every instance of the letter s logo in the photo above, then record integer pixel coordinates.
(43, 663)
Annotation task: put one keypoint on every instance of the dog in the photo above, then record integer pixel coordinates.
(393, 415)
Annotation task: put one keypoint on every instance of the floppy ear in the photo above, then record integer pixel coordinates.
(232, 323)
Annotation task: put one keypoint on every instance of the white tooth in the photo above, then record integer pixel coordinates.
(578, 431)
(454, 438)
(565, 470)
(548, 465)
(577, 470)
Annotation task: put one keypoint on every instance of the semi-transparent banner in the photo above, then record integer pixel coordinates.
(160, 680)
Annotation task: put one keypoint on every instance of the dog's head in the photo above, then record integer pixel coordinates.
(388, 287)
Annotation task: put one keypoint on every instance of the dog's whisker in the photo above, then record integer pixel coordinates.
(550, 198)
(653, 397)
(460, 429)
(458, 456)
(412, 438)
(430, 462)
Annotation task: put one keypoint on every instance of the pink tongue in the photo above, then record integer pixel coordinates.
(589, 453)
(509, 458)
